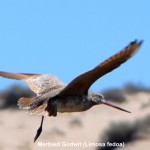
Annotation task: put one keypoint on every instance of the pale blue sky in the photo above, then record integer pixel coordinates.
(69, 37)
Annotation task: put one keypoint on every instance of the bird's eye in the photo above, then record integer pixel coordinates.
(101, 96)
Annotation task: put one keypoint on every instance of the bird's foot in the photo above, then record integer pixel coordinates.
(39, 130)
(52, 109)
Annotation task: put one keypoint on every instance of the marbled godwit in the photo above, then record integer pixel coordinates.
(53, 96)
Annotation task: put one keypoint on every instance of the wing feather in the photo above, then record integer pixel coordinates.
(17, 76)
(82, 83)
(45, 86)
(38, 83)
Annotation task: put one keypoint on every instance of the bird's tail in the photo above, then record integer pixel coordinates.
(34, 105)
(25, 102)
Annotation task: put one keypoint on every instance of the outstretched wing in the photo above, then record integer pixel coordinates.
(82, 83)
(38, 83)
(45, 86)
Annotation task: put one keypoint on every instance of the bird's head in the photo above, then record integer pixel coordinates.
(99, 99)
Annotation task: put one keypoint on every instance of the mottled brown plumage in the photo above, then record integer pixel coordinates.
(53, 96)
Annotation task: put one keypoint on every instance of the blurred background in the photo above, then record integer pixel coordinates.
(67, 38)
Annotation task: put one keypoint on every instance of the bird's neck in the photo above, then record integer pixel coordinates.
(89, 102)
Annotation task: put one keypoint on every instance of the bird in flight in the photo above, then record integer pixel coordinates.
(54, 96)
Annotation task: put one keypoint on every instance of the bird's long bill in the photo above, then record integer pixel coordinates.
(108, 103)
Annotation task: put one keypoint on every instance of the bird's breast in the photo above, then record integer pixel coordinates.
(72, 104)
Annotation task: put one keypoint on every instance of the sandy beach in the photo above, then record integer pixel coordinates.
(70, 130)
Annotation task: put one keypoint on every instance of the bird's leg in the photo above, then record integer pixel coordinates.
(39, 130)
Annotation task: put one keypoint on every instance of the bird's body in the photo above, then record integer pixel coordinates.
(54, 96)
(75, 103)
